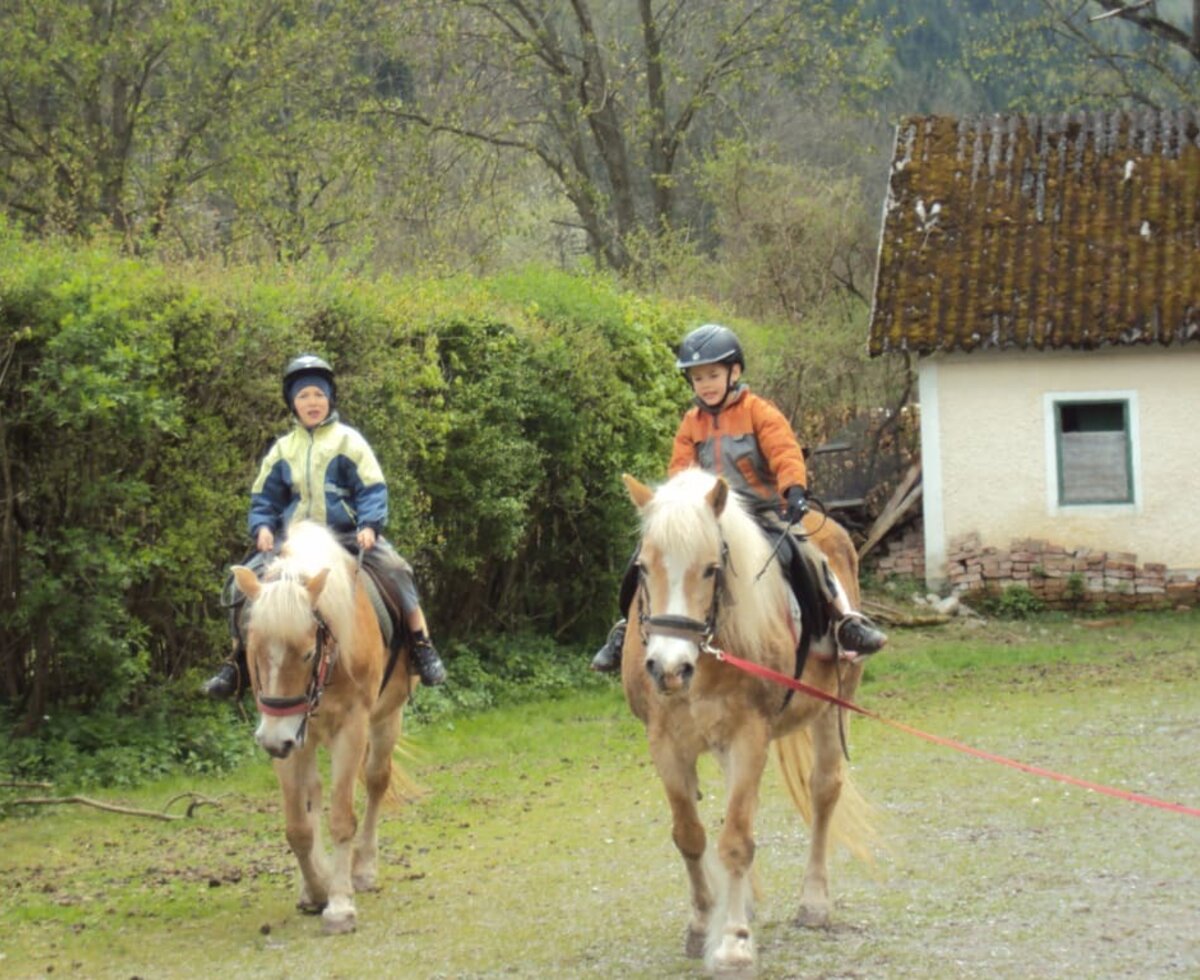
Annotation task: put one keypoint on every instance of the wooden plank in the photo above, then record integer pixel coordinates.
(902, 498)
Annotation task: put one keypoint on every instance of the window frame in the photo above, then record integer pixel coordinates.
(1053, 405)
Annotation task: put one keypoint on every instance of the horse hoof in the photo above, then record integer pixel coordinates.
(339, 925)
(309, 907)
(693, 944)
(365, 883)
(812, 917)
(735, 957)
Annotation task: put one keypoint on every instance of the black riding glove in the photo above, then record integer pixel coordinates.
(797, 504)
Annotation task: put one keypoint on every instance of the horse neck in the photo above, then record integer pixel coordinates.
(755, 606)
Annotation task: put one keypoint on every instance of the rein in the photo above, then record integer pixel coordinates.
(767, 673)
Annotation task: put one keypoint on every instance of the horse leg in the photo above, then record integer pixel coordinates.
(743, 762)
(301, 784)
(682, 786)
(346, 751)
(383, 734)
(825, 786)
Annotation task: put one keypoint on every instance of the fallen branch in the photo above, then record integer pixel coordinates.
(197, 801)
(19, 784)
(894, 617)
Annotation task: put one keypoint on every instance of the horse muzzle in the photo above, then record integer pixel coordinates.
(278, 737)
(671, 669)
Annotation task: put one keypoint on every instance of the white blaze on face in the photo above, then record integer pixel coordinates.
(273, 731)
(673, 652)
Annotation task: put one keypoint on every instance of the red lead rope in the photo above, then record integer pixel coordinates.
(772, 675)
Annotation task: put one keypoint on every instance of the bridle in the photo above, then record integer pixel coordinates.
(700, 632)
(324, 655)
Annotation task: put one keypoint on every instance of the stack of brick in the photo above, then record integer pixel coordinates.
(1066, 578)
(905, 555)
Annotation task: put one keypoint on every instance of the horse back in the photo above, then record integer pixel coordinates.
(837, 546)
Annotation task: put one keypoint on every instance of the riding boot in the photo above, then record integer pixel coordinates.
(231, 679)
(855, 632)
(429, 665)
(608, 657)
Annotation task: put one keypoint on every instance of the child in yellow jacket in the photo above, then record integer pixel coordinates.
(323, 470)
(734, 433)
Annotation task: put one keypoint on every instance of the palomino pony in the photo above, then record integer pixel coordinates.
(317, 661)
(701, 593)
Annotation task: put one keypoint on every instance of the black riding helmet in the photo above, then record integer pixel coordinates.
(710, 344)
(308, 364)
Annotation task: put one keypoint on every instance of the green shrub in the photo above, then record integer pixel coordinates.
(136, 401)
(1015, 602)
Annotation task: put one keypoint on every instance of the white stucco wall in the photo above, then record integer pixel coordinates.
(988, 451)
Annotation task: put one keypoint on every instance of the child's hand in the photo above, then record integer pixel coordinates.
(366, 538)
(797, 504)
(266, 539)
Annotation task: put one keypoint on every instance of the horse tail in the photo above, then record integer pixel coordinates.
(852, 824)
(402, 787)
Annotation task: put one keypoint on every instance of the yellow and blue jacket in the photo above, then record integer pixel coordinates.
(328, 474)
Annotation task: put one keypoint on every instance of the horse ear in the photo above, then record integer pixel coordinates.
(639, 493)
(316, 584)
(718, 496)
(247, 582)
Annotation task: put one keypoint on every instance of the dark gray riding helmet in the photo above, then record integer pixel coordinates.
(710, 344)
(308, 364)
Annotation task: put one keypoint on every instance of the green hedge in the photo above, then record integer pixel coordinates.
(137, 399)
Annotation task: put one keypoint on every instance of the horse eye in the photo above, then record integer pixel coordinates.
(711, 570)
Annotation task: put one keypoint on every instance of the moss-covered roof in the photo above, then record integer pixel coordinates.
(1073, 231)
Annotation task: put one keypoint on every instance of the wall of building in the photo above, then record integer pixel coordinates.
(988, 453)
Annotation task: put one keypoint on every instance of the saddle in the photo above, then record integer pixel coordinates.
(381, 589)
(804, 573)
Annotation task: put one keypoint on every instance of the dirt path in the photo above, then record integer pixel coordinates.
(543, 850)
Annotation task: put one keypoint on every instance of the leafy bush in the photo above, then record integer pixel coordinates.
(137, 399)
(1015, 602)
(504, 670)
(173, 732)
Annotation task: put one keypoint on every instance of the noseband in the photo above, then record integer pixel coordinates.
(326, 654)
(684, 627)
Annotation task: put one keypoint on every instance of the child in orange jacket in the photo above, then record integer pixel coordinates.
(732, 432)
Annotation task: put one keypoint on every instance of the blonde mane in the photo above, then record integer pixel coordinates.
(286, 612)
(679, 520)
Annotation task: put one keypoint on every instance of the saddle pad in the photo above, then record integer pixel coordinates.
(381, 611)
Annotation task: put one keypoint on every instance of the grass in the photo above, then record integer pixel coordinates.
(541, 846)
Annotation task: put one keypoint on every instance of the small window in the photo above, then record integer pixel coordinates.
(1094, 452)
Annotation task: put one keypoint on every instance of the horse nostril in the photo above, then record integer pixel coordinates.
(685, 674)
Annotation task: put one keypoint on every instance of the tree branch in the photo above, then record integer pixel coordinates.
(1148, 22)
(197, 802)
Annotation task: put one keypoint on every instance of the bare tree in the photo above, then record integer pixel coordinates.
(1156, 65)
(608, 103)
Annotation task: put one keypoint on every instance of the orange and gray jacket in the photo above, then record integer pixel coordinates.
(748, 441)
(328, 475)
